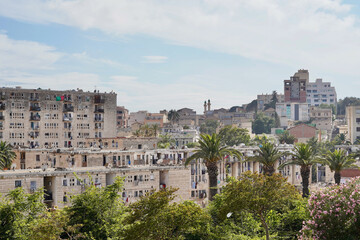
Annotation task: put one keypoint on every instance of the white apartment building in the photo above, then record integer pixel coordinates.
(38, 118)
(292, 111)
(320, 92)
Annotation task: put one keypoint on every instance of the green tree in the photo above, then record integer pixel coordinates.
(192, 145)
(173, 116)
(267, 155)
(341, 139)
(18, 210)
(211, 151)
(252, 107)
(272, 103)
(287, 138)
(304, 156)
(155, 217)
(347, 101)
(262, 124)
(186, 127)
(7, 155)
(338, 160)
(233, 136)
(257, 194)
(165, 141)
(155, 129)
(99, 211)
(209, 127)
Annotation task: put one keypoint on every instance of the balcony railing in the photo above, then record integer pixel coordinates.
(98, 119)
(99, 110)
(35, 108)
(99, 100)
(34, 99)
(35, 128)
(67, 119)
(35, 118)
(68, 109)
(67, 100)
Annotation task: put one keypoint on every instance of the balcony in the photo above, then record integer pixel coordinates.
(98, 119)
(67, 99)
(35, 128)
(2, 107)
(68, 109)
(98, 127)
(35, 108)
(35, 118)
(99, 110)
(99, 100)
(66, 119)
(34, 99)
(2, 117)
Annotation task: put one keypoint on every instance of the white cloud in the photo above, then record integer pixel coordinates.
(154, 59)
(24, 55)
(320, 34)
(84, 57)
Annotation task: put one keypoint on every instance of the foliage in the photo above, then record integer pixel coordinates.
(257, 194)
(209, 127)
(211, 151)
(166, 141)
(262, 124)
(173, 116)
(334, 213)
(99, 211)
(341, 139)
(233, 136)
(154, 217)
(54, 225)
(305, 157)
(267, 154)
(287, 138)
(338, 160)
(347, 101)
(18, 211)
(147, 131)
(327, 106)
(272, 103)
(252, 107)
(6, 155)
(186, 127)
(192, 145)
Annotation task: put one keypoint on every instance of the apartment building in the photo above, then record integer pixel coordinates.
(353, 123)
(322, 118)
(320, 92)
(122, 117)
(38, 118)
(295, 88)
(291, 111)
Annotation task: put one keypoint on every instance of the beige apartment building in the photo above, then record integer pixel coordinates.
(353, 123)
(38, 118)
(143, 170)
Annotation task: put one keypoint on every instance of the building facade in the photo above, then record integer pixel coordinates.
(122, 117)
(46, 118)
(295, 88)
(292, 112)
(264, 99)
(353, 123)
(320, 92)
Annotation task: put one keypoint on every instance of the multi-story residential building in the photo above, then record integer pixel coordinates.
(122, 117)
(49, 118)
(320, 92)
(137, 117)
(187, 117)
(295, 88)
(155, 118)
(143, 171)
(264, 99)
(181, 136)
(322, 118)
(353, 123)
(290, 111)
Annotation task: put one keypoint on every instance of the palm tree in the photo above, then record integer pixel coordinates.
(337, 161)
(287, 138)
(173, 116)
(6, 155)
(268, 155)
(211, 151)
(304, 155)
(155, 129)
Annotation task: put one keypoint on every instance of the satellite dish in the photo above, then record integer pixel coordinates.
(13, 166)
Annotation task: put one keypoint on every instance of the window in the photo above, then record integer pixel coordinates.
(65, 182)
(38, 158)
(32, 185)
(358, 129)
(17, 183)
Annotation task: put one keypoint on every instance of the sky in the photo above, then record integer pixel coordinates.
(172, 54)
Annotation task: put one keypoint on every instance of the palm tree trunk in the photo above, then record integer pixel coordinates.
(269, 170)
(337, 177)
(213, 173)
(305, 174)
